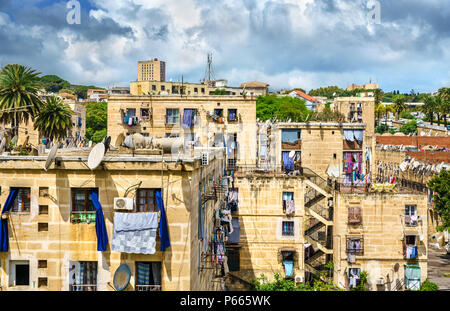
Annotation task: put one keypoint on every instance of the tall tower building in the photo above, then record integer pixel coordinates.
(152, 70)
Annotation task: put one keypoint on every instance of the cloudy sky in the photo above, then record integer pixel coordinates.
(286, 43)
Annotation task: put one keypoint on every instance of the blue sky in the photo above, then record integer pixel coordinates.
(286, 43)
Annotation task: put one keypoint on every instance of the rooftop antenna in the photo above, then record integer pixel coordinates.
(96, 156)
(51, 157)
(209, 72)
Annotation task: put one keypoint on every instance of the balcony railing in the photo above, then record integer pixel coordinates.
(148, 288)
(411, 223)
(83, 288)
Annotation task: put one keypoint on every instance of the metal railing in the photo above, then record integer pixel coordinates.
(148, 288)
(83, 288)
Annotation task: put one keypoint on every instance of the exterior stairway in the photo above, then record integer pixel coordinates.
(317, 194)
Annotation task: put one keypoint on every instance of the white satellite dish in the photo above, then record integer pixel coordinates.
(96, 156)
(291, 154)
(51, 157)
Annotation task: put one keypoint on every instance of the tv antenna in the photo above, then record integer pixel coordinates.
(209, 72)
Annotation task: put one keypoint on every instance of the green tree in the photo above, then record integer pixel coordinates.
(364, 277)
(96, 121)
(444, 109)
(409, 128)
(220, 92)
(399, 104)
(19, 98)
(280, 284)
(282, 108)
(440, 185)
(378, 97)
(429, 107)
(54, 120)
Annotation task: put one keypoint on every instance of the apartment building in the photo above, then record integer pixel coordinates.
(151, 70)
(52, 216)
(383, 234)
(203, 121)
(97, 95)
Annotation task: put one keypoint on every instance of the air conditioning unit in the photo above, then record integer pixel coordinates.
(123, 204)
(299, 279)
(379, 281)
(205, 158)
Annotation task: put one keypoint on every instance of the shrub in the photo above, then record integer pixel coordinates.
(428, 286)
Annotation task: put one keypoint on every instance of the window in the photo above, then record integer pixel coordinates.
(218, 113)
(354, 215)
(354, 277)
(83, 276)
(172, 135)
(22, 202)
(288, 203)
(145, 114)
(288, 228)
(163, 87)
(232, 115)
(42, 264)
(83, 209)
(43, 192)
(410, 240)
(203, 90)
(42, 227)
(233, 260)
(146, 201)
(42, 282)
(232, 163)
(195, 90)
(411, 217)
(172, 116)
(153, 87)
(148, 276)
(20, 273)
(355, 246)
(218, 140)
(131, 112)
(291, 139)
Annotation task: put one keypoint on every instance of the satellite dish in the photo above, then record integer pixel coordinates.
(291, 154)
(96, 156)
(119, 140)
(122, 277)
(51, 157)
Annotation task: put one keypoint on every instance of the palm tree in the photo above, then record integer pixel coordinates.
(429, 107)
(19, 99)
(399, 104)
(444, 94)
(55, 119)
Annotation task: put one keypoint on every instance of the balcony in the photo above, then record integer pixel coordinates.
(411, 221)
